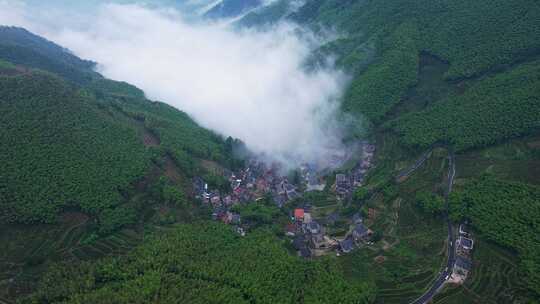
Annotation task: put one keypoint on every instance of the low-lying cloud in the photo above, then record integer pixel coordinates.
(247, 84)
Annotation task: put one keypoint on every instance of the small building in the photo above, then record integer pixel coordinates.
(346, 245)
(357, 218)
(466, 243)
(199, 187)
(361, 233)
(307, 217)
(215, 200)
(313, 227)
(290, 230)
(227, 200)
(236, 219)
(281, 188)
(240, 231)
(317, 241)
(299, 214)
(279, 200)
(462, 266)
(332, 218)
(299, 242)
(369, 148)
(292, 195)
(464, 230)
(342, 181)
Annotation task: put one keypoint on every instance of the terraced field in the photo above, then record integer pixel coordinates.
(494, 280)
(118, 243)
(412, 250)
(406, 260)
(29, 249)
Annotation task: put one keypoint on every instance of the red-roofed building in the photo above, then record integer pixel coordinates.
(299, 214)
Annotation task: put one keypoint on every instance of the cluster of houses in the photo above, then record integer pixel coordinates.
(258, 180)
(347, 183)
(310, 239)
(248, 185)
(464, 247)
(359, 235)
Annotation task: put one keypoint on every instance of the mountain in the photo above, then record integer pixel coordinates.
(231, 8)
(484, 43)
(72, 139)
(96, 188)
(22, 47)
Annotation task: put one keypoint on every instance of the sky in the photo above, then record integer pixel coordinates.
(246, 84)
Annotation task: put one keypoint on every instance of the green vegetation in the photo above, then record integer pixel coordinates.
(59, 150)
(514, 160)
(507, 213)
(202, 263)
(6, 65)
(496, 108)
(24, 48)
(495, 279)
(475, 38)
(90, 156)
(410, 252)
(384, 83)
(84, 145)
(259, 213)
(406, 258)
(430, 203)
(178, 133)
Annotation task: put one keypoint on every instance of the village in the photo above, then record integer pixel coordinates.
(307, 232)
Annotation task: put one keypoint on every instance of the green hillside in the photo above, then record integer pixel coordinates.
(475, 37)
(19, 46)
(95, 179)
(495, 108)
(68, 144)
(459, 74)
(60, 150)
(517, 205)
(202, 263)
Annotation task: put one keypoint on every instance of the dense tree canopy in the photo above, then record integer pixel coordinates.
(77, 140)
(202, 263)
(496, 108)
(59, 150)
(507, 213)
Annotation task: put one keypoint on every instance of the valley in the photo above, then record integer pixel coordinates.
(387, 152)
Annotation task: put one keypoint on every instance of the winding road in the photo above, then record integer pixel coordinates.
(441, 279)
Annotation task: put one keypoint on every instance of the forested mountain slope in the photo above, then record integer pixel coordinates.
(455, 80)
(202, 263)
(475, 37)
(460, 74)
(59, 149)
(66, 145)
(19, 46)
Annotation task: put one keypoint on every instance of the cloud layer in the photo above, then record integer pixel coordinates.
(246, 84)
